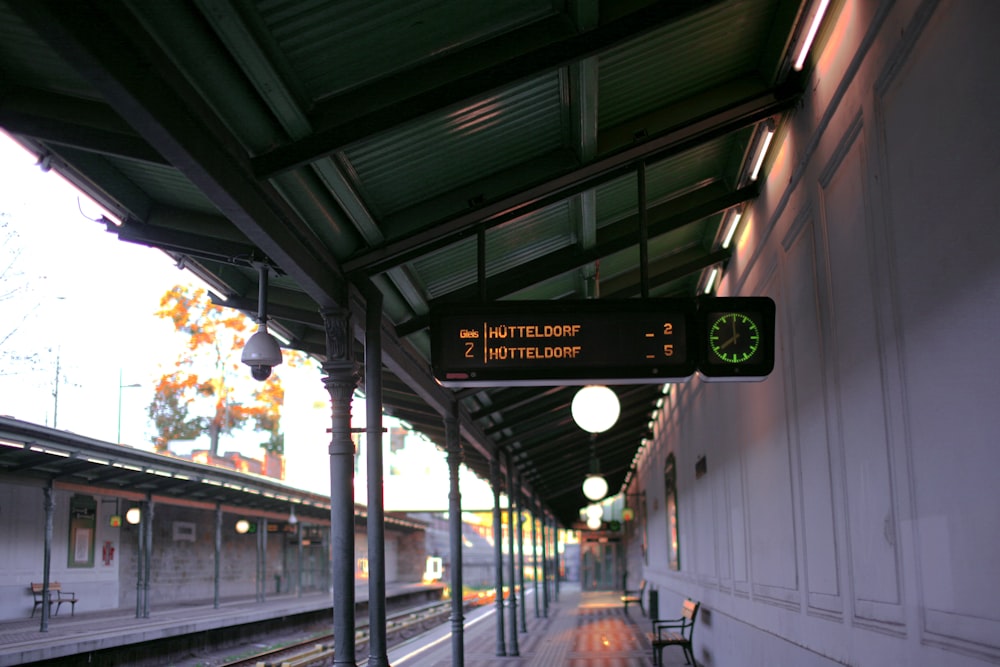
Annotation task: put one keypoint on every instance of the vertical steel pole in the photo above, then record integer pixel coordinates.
(545, 566)
(262, 530)
(298, 560)
(498, 551)
(643, 237)
(50, 506)
(377, 642)
(147, 520)
(534, 557)
(258, 576)
(555, 556)
(512, 604)
(218, 553)
(140, 561)
(454, 444)
(340, 381)
(520, 553)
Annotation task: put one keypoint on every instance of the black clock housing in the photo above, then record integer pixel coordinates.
(748, 316)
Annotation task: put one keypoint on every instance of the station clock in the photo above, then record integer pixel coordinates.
(737, 338)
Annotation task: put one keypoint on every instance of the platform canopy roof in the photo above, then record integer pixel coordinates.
(431, 151)
(34, 455)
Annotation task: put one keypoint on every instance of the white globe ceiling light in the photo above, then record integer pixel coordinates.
(595, 511)
(595, 408)
(594, 523)
(595, 487)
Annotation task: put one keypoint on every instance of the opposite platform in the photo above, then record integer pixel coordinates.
(22, 642)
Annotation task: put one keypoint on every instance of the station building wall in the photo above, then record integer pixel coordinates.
(182, 560)
(22, 525)
(183, 557)
(844, 511)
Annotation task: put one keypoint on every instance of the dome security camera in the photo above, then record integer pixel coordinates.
(261, 354)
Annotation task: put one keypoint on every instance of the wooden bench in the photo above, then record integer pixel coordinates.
(634, 597)
(675, 632)
(57, 597)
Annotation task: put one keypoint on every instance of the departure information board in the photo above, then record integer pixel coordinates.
(630, 341)
(571, 342)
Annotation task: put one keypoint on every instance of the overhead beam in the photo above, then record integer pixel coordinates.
(103, 42)
(722, 121)
(707, 200)
(474, 71)
(62, 120)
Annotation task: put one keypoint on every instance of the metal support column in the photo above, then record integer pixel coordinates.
(498, 552)
(512, 604)
(258, 577)
(545, 566)
(140, 561)
(534, 558)
(298, 558)
(147, 521)
(555, 557)
(520, 553)
(377, 643)
(218, 554)
(262, 533)
(454, 445)
(50, 506)
(340, 381)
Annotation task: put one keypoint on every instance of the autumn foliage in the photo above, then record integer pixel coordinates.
(209, 390)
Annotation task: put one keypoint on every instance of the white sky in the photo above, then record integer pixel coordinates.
(86, 301)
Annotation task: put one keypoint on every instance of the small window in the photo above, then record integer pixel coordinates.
(673, 530)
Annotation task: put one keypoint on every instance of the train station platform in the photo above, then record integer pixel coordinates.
(582, 629)
(22, 641)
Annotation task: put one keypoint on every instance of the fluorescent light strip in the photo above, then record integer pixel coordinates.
(732, 229)
(811, 35)
(711, 280)
(763, 151)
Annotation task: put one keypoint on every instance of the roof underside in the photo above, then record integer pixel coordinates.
(440, 151)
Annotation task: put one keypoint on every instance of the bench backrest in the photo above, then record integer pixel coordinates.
(53, 586)
(690, 613)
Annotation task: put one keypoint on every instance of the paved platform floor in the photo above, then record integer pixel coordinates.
(583, 629)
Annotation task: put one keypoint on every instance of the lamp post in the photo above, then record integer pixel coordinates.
(120, 387)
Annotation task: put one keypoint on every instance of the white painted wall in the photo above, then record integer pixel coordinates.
(22, 539)
(851, 509)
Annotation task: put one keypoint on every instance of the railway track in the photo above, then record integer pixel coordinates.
(318, 650)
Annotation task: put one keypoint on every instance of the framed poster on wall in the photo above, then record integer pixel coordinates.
(82, 531)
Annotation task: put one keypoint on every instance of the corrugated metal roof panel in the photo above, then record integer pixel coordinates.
(665, 180)
(328, 46)
(166, 185)
(638, 76)
(507, 247)
(430, 157)
(27, 61)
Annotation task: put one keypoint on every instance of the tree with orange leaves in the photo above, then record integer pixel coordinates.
(203, 393)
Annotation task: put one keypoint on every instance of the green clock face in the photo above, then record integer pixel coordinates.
(734, 337)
